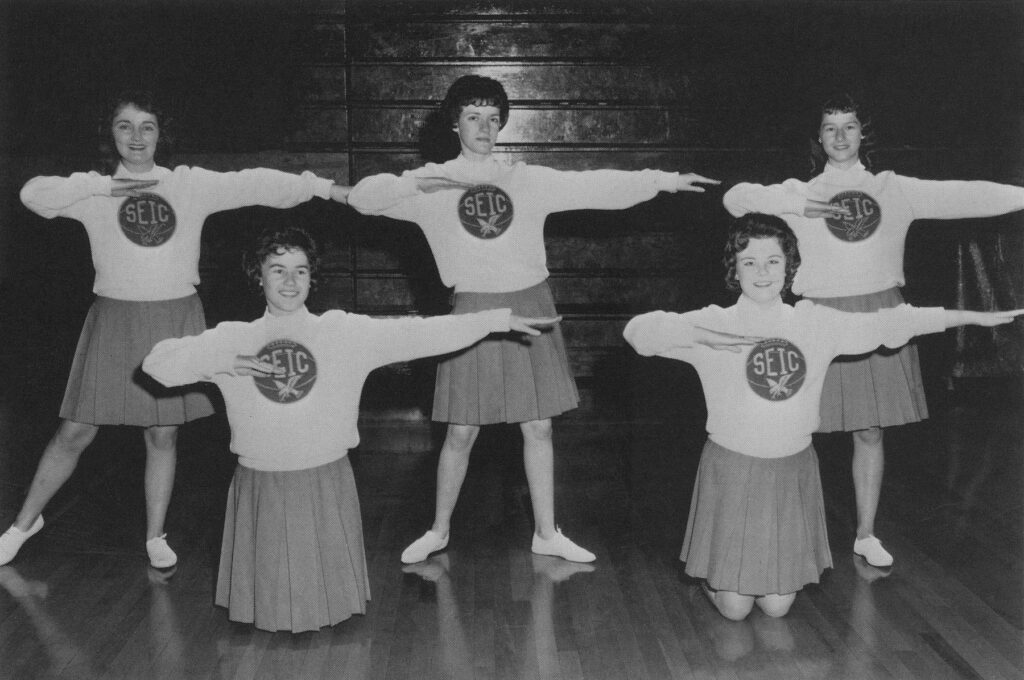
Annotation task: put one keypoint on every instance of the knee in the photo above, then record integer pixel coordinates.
(461, 437)
(869, 437)
(733, 606)
(776, 606)
(537, 430)
(161, 438)
(72, 438)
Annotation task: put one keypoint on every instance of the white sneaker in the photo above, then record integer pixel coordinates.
(160, 554)
(421, 548)
(560, 546)
(871, 549)
(11, 540)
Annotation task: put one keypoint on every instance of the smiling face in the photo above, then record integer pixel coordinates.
(285, 279)
(761, 270)
(136, 134)
(478, 128)
(840, 135)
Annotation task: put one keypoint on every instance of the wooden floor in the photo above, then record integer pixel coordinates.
(80, 602)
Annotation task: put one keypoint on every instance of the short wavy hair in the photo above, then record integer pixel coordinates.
(277, 241)
(143, 100)
(759, 225)
(474, 90)
(842, 103)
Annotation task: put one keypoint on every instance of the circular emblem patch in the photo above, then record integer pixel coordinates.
(865, 214)
(776, 369)
(485, 211)
(299, 371)
(147, 219)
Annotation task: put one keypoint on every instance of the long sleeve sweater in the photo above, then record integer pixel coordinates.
(308, 416)
(864, 252)
(764, 401)
(490, 238)
(147, 247)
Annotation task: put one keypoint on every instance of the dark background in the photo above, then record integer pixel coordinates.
(726, 89)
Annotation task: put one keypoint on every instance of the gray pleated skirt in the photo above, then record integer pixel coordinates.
(878, 389)
(292, 555)
(506, 377)
(107, 385)
(756, 525)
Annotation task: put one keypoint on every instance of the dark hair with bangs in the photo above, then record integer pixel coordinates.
(477, 91)
(842, 103)
(143, 100)
(759, 225)
(278, 241)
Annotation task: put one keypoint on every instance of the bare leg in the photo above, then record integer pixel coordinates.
(868, 466)
(451, 472)
(59, 460)
(538, 458)
(161, 459)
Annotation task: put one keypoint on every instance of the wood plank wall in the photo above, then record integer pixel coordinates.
(727, 89)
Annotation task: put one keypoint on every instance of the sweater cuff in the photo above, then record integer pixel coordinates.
(933, 319)
(321, 185)
(666, 181)
(101, 185)
(499, 320)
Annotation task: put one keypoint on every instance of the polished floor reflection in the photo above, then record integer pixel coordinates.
(80, 601)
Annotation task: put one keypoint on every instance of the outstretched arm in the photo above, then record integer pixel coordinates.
(962, 317)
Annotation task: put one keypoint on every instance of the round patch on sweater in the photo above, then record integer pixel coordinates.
(865, 215)
(776, 369)
(147, 219)
(485, 211)
(299, 371)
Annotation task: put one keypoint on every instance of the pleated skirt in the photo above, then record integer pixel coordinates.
(292, 555)
(879, 389)
(506, 377)
(756, 525)
(107, 385)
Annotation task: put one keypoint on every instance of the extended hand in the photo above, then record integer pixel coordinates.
(531, 325)
(124, 186)
(429, 185)
(823, 209)
(687, 181)
(994, 318)
(256, 367)
(720, 340)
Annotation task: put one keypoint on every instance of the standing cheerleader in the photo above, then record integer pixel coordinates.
(756, 531)
(852, 226)
(144, 223)
(484, 222)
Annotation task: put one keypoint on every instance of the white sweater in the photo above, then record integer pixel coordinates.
(864, 254)
(490, 239)
(147, 248)
(763, 401)
(307, 417)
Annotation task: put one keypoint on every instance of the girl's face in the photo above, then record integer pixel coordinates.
(135, 134)
(840, 135)
(478, 128)
(285, 279)
(761, 270)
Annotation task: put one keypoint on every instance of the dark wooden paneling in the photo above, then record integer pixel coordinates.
(563, 125)
(620, 42)
(568, 82)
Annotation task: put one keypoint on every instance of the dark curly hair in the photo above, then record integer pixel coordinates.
(475, 90)
(759, 225)
(143, 100)
(277, 241)
(842, 103)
